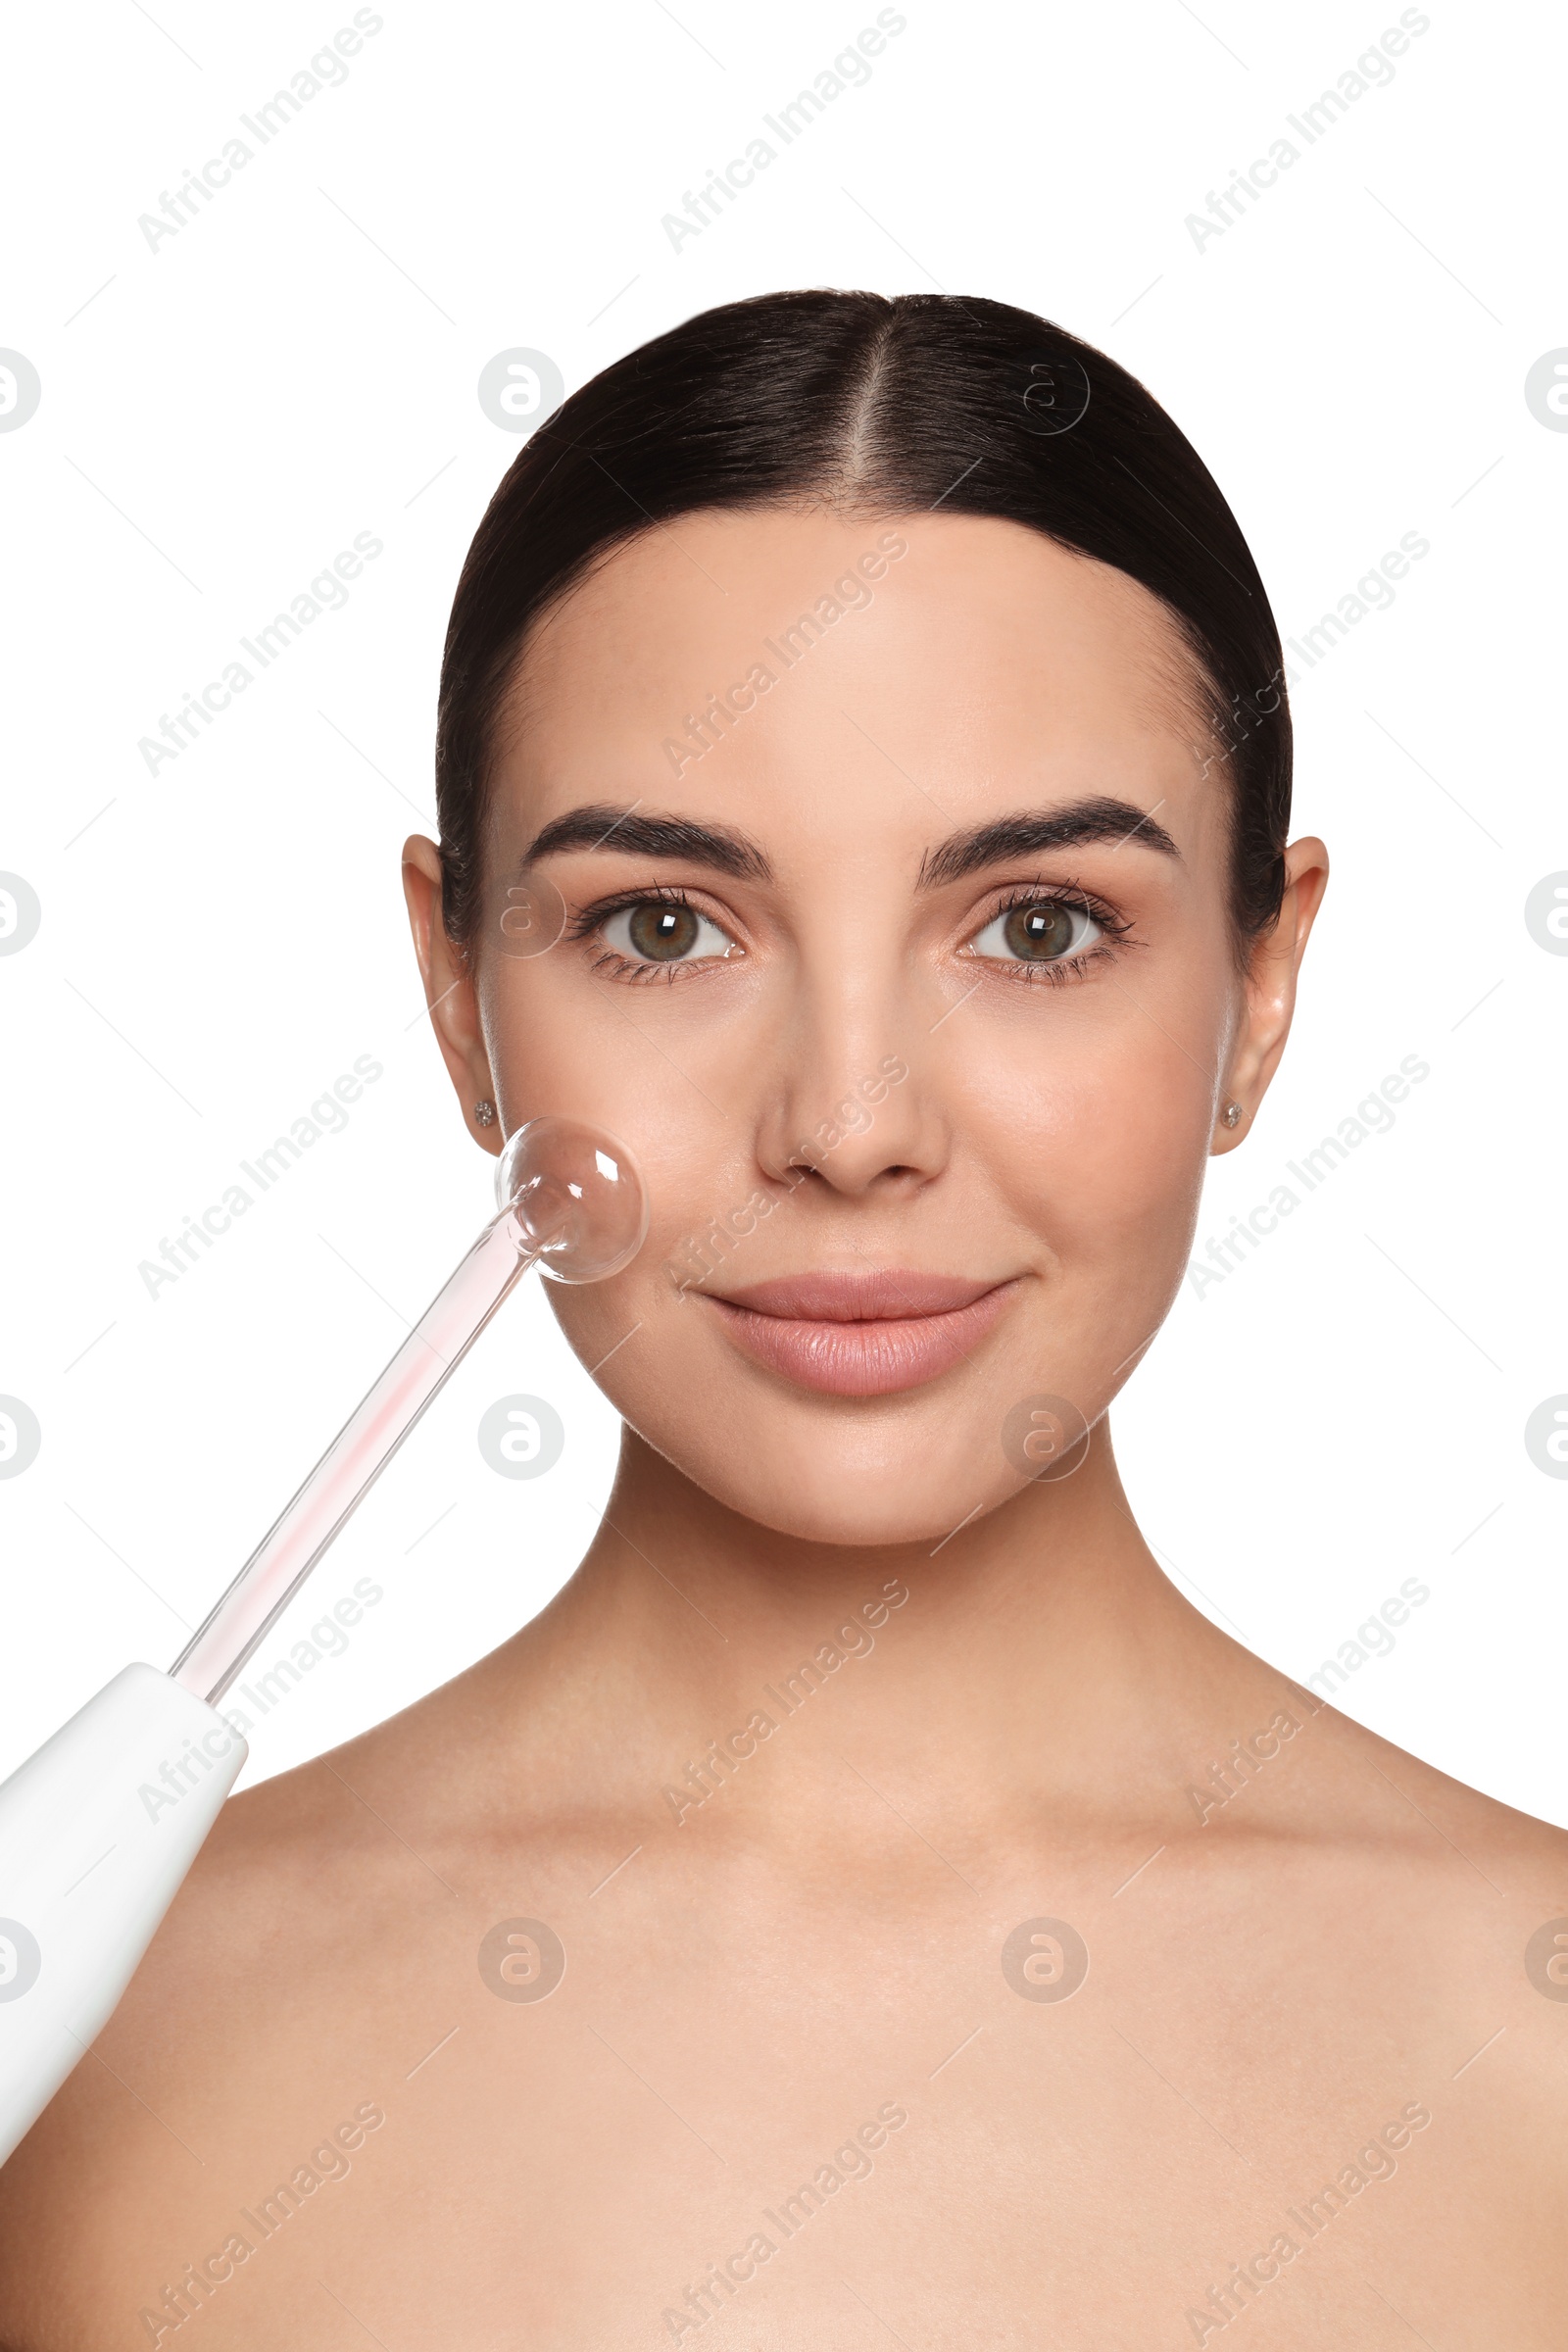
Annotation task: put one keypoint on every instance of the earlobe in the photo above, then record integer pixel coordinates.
(1225, 1127)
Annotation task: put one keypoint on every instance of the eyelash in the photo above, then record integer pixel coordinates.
(616, 966)
(1060, 973)
(1066, 969)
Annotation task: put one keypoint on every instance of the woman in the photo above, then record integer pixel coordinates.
(869, 1903)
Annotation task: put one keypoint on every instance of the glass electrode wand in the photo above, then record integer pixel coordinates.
(99, 1828)
(569, 1198)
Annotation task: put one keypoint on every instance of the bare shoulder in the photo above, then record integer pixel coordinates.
(1499, 1876)
(240, 2031)
(1426, 1812)
(1450, 1912)
(313, 1954)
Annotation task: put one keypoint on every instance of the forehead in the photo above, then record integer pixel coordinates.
(851, 679)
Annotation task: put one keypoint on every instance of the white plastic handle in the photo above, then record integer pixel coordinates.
(97, 1830)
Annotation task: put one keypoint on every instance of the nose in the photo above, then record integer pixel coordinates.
(855, 1106)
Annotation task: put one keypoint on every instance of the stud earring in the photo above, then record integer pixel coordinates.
(485, 1114)
(1230, 1117)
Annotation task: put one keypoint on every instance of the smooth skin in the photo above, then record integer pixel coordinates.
(830, 1974)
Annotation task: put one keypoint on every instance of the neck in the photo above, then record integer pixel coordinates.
(1039, 1656)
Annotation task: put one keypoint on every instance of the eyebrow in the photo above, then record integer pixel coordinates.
(1032, 830)
(599, 826)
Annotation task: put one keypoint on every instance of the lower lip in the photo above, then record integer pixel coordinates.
(863, 1359)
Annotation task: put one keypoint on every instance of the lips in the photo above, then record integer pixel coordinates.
(866, 1334)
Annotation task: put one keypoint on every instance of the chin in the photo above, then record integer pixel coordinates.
(832, 1487)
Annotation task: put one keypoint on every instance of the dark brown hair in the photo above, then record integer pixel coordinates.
(889, 407)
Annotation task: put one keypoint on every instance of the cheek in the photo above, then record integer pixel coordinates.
(1098, 1139)
(560, 1042)
(584, 1052)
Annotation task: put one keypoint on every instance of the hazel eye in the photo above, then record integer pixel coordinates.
(1038, 931)
(662, 931)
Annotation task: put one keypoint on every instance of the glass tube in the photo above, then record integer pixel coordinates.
(574, 1199)
(355, 1460)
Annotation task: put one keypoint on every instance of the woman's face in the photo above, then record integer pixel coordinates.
(918, 1034)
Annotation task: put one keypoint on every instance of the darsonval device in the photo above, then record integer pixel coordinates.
(99, 1828)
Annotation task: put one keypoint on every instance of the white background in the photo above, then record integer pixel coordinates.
(220, 416)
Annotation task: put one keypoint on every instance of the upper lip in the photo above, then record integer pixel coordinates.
(868, 1295)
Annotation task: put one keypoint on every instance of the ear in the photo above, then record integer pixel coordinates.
(1271, 990)
(449, 989)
